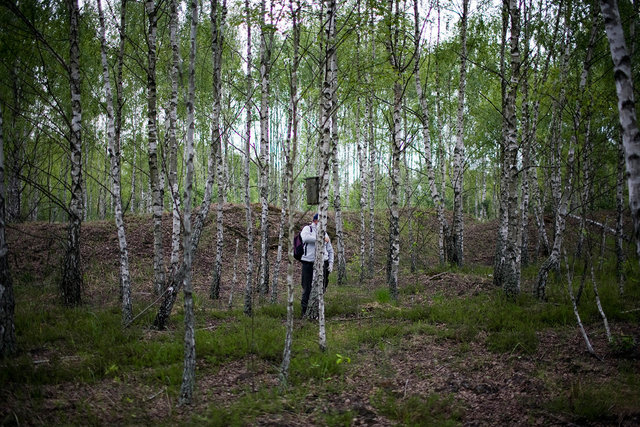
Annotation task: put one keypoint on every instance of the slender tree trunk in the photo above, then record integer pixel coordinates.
(372, 151)
(154, 178)
(290, 151)
(189, 372)
(394, 219)
(458, 154)
(266, 42)
(620, 256)
(626, 108)
(7, 301)
(248, 294)
(423, 116)
(511, 273)
(72, 283)
(218, 20)
(562, 197)
(315, 308)
(362, 162)
(114, 155)
(171, 133)
(337, 202)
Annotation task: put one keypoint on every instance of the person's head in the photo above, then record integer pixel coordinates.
(315, 219)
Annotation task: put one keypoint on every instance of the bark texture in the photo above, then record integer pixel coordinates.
(159, 278)
(189, 371)
(72, 283)
(626, 108)
(7, 301)
(113, 150)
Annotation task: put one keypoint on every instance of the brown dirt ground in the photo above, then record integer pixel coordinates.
(492, 389)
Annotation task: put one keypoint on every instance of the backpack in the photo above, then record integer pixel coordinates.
(298, 247)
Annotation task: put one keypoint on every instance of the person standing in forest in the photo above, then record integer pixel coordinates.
(308, 235)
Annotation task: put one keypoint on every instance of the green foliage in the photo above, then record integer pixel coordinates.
(592, 402)
(383, 296)
(418, 410)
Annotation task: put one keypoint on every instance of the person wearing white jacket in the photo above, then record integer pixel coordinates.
(308, 235)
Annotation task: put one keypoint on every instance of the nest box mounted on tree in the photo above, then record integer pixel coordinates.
(312, 185)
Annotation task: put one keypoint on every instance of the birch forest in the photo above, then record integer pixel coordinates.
(474, 164)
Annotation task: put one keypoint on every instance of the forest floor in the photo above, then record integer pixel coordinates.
(451, 351)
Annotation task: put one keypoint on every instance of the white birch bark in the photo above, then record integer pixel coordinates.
(7, 301)
(72, 282)
(620, 256)
(248, 293)
(290, 152)
(458, 153)
(396, 60)
(423, 115)
(362, 162)
(114, 155)
(337, 198)
(152, 135)
(599, 305)
(171, 136)
(626, 108)
(189, 371)
(372, 149)
(218, 20)
(562, 197)
(266, 42)
(511, 273)
(315, 308)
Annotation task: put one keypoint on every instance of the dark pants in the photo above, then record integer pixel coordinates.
(307, 279)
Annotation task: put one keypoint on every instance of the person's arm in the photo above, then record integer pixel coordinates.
(329, 249)
(308, 234)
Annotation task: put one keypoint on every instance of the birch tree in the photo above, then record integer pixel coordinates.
(171, 135)
(266, 43)
(7, 301)
(315, 309)
(159, 279)
(290, 153)
(511, 275)
(394, 44)
(189, 372)
(337, 199)
(458, 153)
(72, 282)
(115, 157)
(562, 197)
(423, 118)
(218, 20)
(248, 293)
(626, 108)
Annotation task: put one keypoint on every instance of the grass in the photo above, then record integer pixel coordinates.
(88, 345)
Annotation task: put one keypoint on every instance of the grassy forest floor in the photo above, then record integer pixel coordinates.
(452, 351)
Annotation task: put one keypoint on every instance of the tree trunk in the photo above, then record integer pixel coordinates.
(171, 136)
(394, 215)
(290, 152)
(458, 153)
(337, 202)
(114, 155)
(72, 283)
(266, 42)
(511, 274)
(248, 294)
(189, 372)
(626, 108)
(423, 116)
(620, 256)
(372, 152)
(218, 20)
(7, 301)
(152, 132)
(562, 197)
